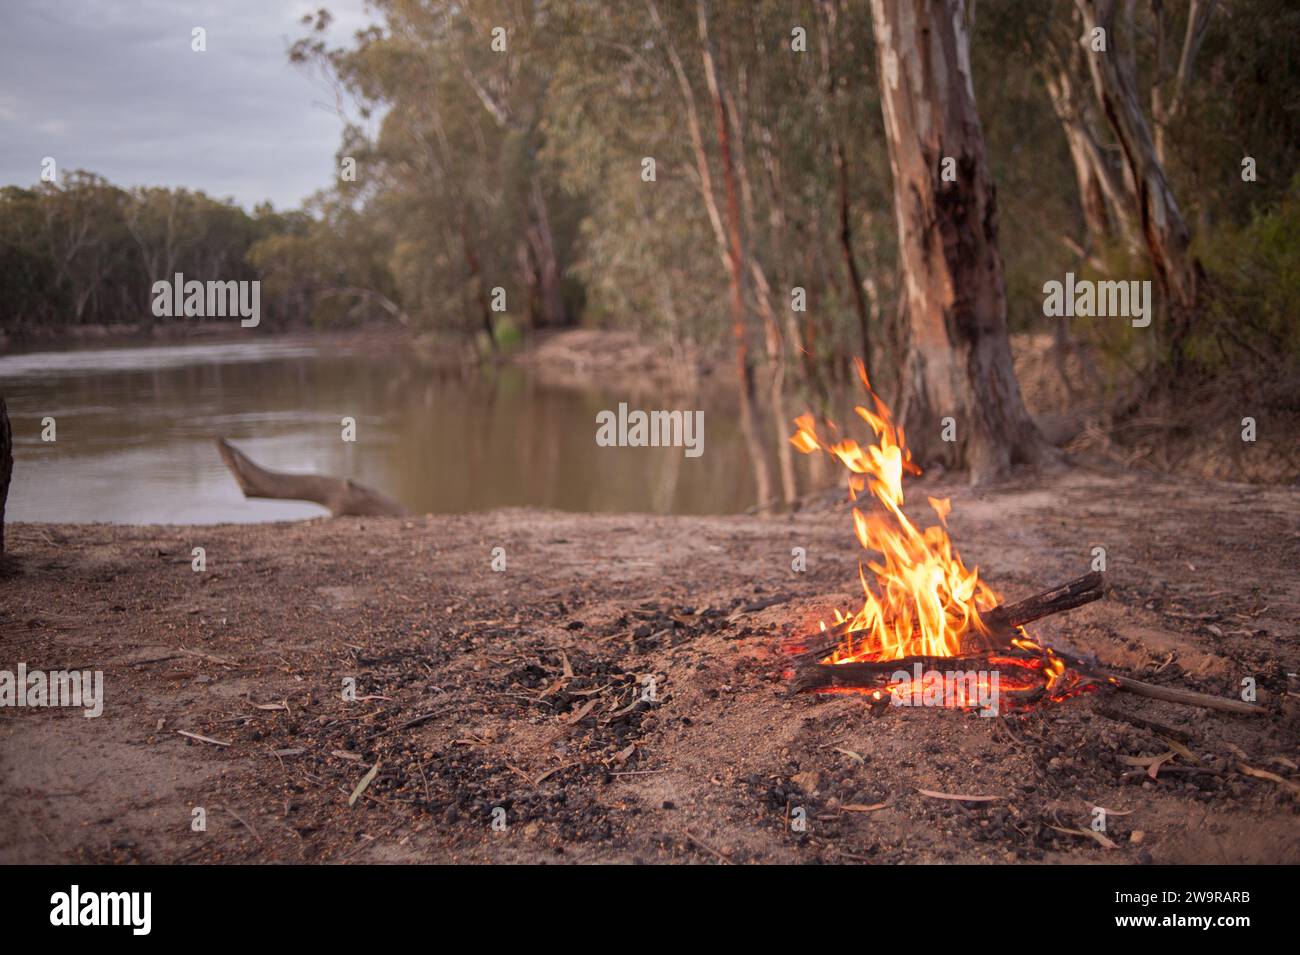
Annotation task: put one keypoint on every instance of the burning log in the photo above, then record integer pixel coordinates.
(341, 496)
(866, 674)
(875, 676)
(1076, 593)
(981, 650)
(1001, 621)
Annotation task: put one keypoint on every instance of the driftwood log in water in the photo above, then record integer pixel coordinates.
(341, 496)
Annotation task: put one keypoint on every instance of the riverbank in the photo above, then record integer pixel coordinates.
(522, 689)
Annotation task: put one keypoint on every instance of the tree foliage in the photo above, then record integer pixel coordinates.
(504, 145)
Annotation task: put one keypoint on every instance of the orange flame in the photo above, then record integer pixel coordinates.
(925, 600)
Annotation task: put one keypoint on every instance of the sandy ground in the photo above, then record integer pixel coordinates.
(465, 702)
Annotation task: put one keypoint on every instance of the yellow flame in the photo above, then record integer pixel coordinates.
(924, 599)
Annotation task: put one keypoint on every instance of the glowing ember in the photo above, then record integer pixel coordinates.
(920, 600)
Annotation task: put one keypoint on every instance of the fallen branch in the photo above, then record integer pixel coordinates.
(1168, 694)
(341, 496)
(1185, 697)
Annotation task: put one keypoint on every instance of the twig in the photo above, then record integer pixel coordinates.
(707, 848)
(1149, 724)
(428, 797)
(209, 657)
(246, 824)
(202, 739)
(422, 718)
(640, 772)
(956, 797)
(757, 605)
(551, 772)
(1271, 777)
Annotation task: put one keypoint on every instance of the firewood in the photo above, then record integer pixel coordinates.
(873, 675)
(1000, 621)
(1076, 593)
(1185, 697)
(868, 674)
(341, 496)
(1089, 667)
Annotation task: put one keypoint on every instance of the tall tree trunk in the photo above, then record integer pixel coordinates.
(532, 284)
(1199, 13)
(1164, 231)
(6, 466)
(476, 276)
(776, 367)
(1103, 196)
(542, 242)
(850, 261)
(728, 240)
(774, 340)
(953, 297)
(736, 266)
(827, 16)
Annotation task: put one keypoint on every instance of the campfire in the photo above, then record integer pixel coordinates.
(930, 631)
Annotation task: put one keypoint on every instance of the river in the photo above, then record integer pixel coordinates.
(134, 430)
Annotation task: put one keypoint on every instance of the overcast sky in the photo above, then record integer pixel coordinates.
(113, 87)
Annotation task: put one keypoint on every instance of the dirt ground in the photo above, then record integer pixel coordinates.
(465, 702)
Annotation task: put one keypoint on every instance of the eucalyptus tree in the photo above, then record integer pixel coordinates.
(961, 401)
(456, 164)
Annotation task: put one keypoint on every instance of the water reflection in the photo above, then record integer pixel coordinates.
(135, 429)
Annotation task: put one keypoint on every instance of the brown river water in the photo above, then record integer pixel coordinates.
(134, 430)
